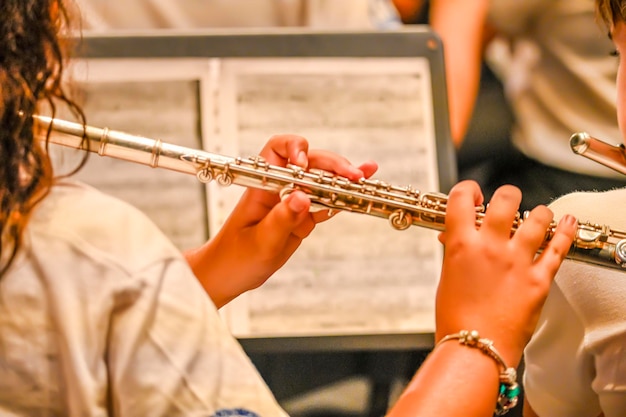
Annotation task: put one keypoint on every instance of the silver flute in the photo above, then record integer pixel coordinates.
(612, 156)
(403, 206)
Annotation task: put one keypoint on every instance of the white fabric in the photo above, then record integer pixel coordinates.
(101, 316)
(108, 15)
(576, 361)
(561, 79)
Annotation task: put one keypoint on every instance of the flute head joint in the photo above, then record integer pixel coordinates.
(579, 142)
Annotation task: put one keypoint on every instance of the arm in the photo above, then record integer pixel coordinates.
(454, 380)
(482, 269)
(262, 232)
(408, 9)
(461, 24)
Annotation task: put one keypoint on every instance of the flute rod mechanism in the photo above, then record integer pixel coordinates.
(401, 206)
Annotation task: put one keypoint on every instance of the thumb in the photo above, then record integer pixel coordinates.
(287, 220)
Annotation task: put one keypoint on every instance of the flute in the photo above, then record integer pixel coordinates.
(612, 156)
(403, 206)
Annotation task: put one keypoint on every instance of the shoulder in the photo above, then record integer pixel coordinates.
(557, 378)
(99, 226)
(594, 207)
(594, 293)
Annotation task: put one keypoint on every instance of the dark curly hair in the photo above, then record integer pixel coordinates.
(32, 59)
(611, 11)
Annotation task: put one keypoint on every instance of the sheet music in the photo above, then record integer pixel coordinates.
(158, 109)
(354, 274)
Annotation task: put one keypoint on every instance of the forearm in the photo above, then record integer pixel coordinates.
(243, 254)
(408, 9)
(213, 278)
(461, 25)
(455, 380)
(226, 268)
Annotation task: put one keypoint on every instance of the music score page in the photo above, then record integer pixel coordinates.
(355, 274)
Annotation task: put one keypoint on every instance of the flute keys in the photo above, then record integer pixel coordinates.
(620, 253)
(205, 175)
(400, 219)
(225, 178)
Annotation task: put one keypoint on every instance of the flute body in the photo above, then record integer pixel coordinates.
(403, 206)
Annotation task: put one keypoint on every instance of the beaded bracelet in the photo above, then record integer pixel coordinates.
(509, 390)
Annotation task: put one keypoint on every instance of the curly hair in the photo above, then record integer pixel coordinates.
(32, 54)
(611, 11)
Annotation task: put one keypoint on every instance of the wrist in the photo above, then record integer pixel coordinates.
(508, 390)
(503, 338)
(209, 270)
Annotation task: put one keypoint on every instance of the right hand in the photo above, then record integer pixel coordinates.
(263, 232)
(492, 281)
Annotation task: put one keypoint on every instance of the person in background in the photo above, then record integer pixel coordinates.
(575, 366)
(101, 315)
(558, 78)
(112, 15)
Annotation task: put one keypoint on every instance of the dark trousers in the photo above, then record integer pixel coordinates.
(540, 184)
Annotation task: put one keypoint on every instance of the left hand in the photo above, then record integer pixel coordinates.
(492, 281)
(262, 232)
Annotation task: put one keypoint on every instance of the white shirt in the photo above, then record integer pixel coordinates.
(110, 15)
(101, 316)
(576, 360)
(561, 79)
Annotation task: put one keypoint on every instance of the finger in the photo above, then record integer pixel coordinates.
(532, 232)
(558, 247)
(323, 215)
(303, 229)
(502, 211)
(368, 168)
(287, 219)
(283, 149)
(337, 164)
(461, 207)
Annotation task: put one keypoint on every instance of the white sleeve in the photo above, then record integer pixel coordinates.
(170, 354)
(559, 372)
(610, 381)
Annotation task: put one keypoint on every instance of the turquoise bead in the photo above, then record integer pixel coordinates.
(513, 392)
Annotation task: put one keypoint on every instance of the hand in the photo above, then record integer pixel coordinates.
(262, 232)
(491, 281)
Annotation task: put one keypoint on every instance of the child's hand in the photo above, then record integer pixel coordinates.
(491, 281)
(263, 232)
